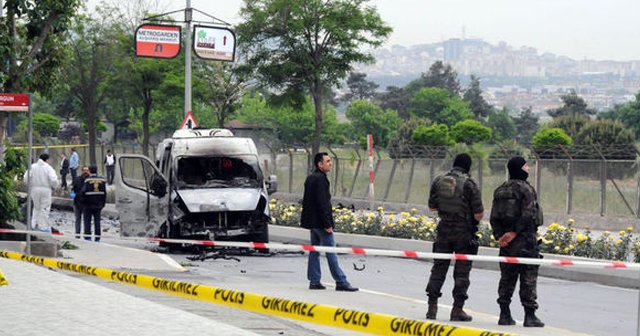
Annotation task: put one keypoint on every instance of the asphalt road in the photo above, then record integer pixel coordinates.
(395, 286)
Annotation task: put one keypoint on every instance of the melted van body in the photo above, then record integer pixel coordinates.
(204, 184)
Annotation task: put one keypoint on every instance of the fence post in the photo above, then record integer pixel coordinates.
(603, 188)
(638, 199)
(410, 182)
(479, 173)
(336, 171)
(290, 170)
(569, 186)
(393, 172)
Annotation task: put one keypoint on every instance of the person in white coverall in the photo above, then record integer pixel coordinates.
(43, 179)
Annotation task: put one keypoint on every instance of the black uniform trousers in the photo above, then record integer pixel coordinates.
(452, 240)
(510, 273)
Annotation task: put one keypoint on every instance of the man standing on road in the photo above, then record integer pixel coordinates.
(64, 170)
(74, 162)
(457, 199)
(94, 196)
(110, 165)
(78, 208)
(317, 216)
(43, 180)
(515, 218)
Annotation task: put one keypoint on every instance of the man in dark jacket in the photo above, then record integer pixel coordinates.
(78, 209)
(457, 199)
(515, 218)
(94, 196)
(64, 170)
(317, 216)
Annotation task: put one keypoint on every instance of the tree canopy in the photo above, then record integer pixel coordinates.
(306, 46)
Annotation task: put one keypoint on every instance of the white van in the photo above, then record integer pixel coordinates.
(205, 184)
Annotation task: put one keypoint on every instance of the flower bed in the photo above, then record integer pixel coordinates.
(557, 238)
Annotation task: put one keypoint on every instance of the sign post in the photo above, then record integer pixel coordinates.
(371, 174)
(16, 102)
(189, 122)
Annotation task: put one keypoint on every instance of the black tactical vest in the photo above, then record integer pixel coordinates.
(452, 205)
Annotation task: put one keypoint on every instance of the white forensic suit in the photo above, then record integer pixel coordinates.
(43, 179)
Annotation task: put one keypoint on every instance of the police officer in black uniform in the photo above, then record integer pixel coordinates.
(515, 217)
(457, 199)
(94, 196)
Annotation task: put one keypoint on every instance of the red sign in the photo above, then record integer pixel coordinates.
(158, 41)
(189, 121)
(14, 102)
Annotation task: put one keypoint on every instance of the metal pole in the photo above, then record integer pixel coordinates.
(371, 173)
(638, 323)
(29, 180)
(187, 58)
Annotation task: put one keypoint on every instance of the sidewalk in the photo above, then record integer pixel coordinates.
(39, 301)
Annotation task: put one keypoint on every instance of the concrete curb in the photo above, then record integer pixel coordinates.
(611, 277)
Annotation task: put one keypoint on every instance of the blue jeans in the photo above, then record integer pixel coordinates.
(320, 237)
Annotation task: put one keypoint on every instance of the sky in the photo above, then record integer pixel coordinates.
(580, 29)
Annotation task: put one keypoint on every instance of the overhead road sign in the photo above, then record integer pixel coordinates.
(158, 41)
(14, 102)
(189, 122)
(214, 43)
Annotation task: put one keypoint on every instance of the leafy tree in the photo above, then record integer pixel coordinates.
(87, 73)
(628, 114)
(32, 47)
(572, 105)
(526, 125)
(439, 105)
(359, 87)
(298, 46)
(46, 125)
(571, 124)
(610, 138)
(395, 98)
(502, 125)
(548, 138)
(402, 139)
(439, 75)
(473, 97)
(367, 117)
(11, 167)
(470, 131)
(224, 88)
(434, 135)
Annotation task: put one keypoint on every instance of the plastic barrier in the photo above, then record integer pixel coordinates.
(376, 252)
(373, 323)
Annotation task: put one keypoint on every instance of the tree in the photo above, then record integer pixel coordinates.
(439, 75)
(44, 124)
(299, 46)
(572, 105)
(359, 87)
(89, 68)
(628, 114)
(526, 125)
(473, 97)
(367, 117)
(434, 135)
(469, 132)
(609, 139)
(571, 124)
(395, 98)
(439, 105)
(502, 125)
(224, 88)
(549, 138)
(32, 46)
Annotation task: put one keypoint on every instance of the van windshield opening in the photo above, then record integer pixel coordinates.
(217, 172)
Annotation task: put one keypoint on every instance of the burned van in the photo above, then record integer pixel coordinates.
(204, 184)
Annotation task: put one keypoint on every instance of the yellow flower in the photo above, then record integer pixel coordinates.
(630, 229)
(414, 210)
(622, 232)
(571, 247)
(274, 201)
(392, 217)
(380, 209)
(412, 219)
(580, 237)
(571, 221)
(557, 248)
(610, 238)
(405, 214)
(619, 242)
(566, 250)
(479, 235)
(402, 222)
(553, 226)
(371, 215)
(606, 233)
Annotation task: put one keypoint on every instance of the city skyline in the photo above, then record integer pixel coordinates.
(580, 29)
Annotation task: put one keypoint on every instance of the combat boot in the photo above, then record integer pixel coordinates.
(457, 314)
(530, 318)
(505, 316)
(432, 311)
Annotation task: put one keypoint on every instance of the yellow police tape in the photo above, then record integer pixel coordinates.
(50, 146)
(373, 323)
(3, 280)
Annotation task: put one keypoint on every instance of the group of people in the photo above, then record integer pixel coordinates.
(455, 196)
(71, 165)
(89, 192)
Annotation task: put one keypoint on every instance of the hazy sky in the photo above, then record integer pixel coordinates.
(592, 29)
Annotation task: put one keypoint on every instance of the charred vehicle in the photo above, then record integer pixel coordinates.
(204, 184)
